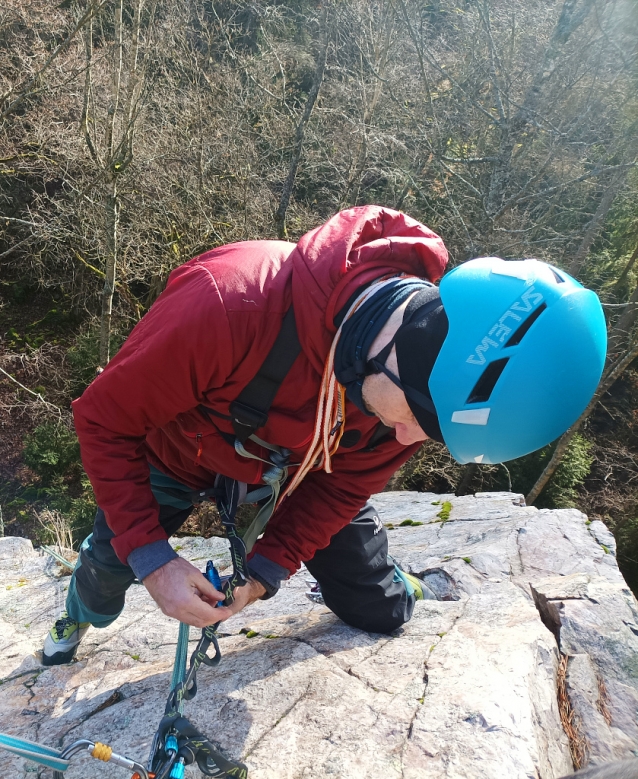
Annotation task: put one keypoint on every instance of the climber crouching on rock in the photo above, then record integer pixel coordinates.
(318, 368)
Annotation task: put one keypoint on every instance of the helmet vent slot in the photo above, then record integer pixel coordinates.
(557, 276)
(521, 330)
(486, 383)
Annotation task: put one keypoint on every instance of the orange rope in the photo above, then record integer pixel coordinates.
(330, 417)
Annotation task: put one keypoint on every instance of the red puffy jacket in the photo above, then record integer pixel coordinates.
(202, 342)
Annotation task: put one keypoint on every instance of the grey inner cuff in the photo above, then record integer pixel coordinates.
(269, 573)
(148, 558)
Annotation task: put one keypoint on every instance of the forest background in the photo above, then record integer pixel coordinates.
(135, 134)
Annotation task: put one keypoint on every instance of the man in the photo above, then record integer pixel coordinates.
(497, 365)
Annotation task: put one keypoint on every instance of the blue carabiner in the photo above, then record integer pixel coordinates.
(212, 574)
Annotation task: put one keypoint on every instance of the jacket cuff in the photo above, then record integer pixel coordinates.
(268, 573)
(148, 558)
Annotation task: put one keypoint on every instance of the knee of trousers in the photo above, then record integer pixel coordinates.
(360, 544)
(384, 617)
(101, 587)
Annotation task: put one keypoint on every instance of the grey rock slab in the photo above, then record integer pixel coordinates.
(456, 557)
(395, 507)
(603, 536)
(590, 701)
(199, 550)
(490, 709)
(15, 548)
(559, 542)
(596, 620)
(16, 650)
(465, 689)
(394, 664)
(338, 726)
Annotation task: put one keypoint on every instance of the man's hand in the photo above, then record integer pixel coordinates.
(184, 593)
(244, 596)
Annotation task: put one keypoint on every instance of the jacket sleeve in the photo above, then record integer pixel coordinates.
(171, 357)
(326, 502)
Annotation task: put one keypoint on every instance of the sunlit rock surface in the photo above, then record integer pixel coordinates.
(467, 689)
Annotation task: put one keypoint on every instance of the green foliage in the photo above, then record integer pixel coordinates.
(444, 513)
(622, 223)
(562, 490)
(602, 270)
(625, 530)
(21, 291)
(50, 450)
(83, 357)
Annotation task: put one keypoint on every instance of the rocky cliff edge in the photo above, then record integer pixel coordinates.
(528, 662)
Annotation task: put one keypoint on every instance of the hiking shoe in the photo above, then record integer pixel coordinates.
(412, 583)
(62, 640)
(421, 589)
(314, 593)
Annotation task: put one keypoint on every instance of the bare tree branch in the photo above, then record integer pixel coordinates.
(27, 89)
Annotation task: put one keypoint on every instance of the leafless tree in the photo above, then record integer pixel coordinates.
(110, 137)
(317, 80)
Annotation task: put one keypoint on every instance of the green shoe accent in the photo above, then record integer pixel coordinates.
(62, 640)
(416, 584)
(413, 584)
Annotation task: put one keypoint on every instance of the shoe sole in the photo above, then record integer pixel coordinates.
(59, 658)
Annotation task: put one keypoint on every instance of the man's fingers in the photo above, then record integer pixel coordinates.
(207, 590)
(184, 593)
(222, 613)
(196, 613)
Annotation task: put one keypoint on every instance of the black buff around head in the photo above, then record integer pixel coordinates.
(418, 342)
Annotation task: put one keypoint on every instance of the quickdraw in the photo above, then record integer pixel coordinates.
(177, 743)
(59, 760)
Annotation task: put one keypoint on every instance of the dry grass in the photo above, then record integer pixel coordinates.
(602, 704)
(58, 531)
(578, 745)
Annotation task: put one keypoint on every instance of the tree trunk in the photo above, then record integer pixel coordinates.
(113, 216)
(593, 228)
(280, 216)
(469, 472)
(572, 15)
(626, 271)
(621, 331)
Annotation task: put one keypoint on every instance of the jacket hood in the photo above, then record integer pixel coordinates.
(350, 250)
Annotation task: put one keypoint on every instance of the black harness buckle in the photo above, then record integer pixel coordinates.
(247, 416)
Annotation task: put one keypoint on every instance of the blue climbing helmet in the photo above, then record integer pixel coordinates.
(522, 358)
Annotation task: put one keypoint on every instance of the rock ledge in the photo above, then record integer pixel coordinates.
(467, 689)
